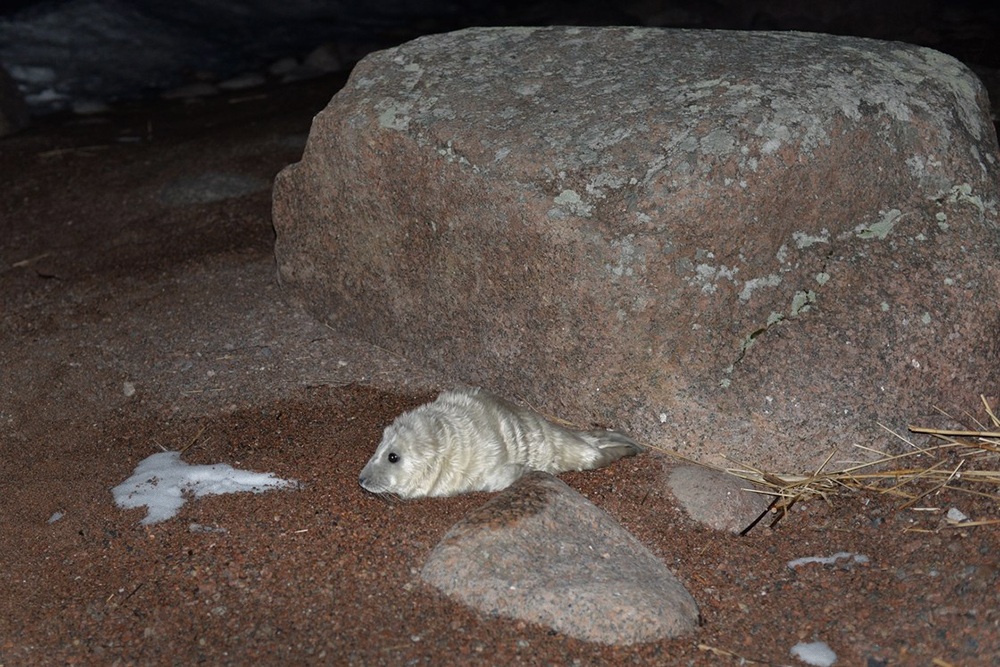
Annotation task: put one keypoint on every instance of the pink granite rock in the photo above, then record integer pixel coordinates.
(751, 244)
(715, 499)
(541, 552)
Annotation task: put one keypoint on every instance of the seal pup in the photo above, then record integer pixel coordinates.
(471, 440)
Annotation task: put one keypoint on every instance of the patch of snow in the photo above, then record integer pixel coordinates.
(816, 653)
(956, 515)
(44, 96)
(243, 81)
(30, 74)
(160, 481)
(198, 528)
(827, 560)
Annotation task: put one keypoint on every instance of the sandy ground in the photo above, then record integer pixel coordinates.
(131, 322)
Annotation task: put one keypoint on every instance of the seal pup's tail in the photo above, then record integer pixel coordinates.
(612, 445)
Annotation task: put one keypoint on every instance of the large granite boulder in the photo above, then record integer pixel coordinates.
(753, 244)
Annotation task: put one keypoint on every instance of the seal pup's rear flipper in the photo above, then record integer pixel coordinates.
(613, 445)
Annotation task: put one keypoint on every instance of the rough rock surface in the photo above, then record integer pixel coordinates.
(753, 244)
(13, 111)
(715, 499)
(541, 552)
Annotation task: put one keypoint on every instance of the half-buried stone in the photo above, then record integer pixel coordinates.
(540, 552)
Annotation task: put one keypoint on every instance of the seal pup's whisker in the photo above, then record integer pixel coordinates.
(388, 498)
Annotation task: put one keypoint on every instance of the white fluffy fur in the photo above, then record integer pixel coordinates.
(471, 440)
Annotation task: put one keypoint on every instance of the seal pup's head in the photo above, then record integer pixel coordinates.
(408, 461)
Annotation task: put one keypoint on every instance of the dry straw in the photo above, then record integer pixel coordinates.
(964, 461)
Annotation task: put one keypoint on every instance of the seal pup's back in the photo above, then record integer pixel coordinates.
(472, 440)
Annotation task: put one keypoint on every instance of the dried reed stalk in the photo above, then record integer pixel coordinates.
(959, 464)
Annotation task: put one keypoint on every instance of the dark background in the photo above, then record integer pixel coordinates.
(60, 51)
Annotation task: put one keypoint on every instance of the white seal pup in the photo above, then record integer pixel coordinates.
(471, 440)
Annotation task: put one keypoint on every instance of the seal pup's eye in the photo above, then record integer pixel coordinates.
(393, 457)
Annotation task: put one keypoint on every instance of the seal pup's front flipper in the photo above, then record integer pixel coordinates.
(504, 476)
